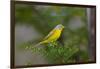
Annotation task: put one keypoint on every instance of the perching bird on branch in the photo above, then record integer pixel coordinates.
(53, 35)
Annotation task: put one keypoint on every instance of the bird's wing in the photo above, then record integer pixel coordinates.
(49, 34)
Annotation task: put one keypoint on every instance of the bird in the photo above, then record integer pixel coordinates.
(53, 35)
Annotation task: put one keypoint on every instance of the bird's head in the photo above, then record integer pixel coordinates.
(60, 27)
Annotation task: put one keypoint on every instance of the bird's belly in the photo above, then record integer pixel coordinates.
(55, 36)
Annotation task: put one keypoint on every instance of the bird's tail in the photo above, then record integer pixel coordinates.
(40, 43)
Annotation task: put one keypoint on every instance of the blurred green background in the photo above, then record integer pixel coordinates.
(34, 22)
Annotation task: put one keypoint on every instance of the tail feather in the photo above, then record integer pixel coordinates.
(38, 44)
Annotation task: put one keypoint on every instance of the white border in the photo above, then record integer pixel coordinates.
(5, 34)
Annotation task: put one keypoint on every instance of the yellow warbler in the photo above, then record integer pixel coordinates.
(53, 35)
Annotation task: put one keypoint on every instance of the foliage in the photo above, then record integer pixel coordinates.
(55, 53)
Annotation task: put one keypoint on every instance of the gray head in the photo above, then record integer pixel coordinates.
(59, 26)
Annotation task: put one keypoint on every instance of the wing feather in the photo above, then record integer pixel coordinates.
(49, 34)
